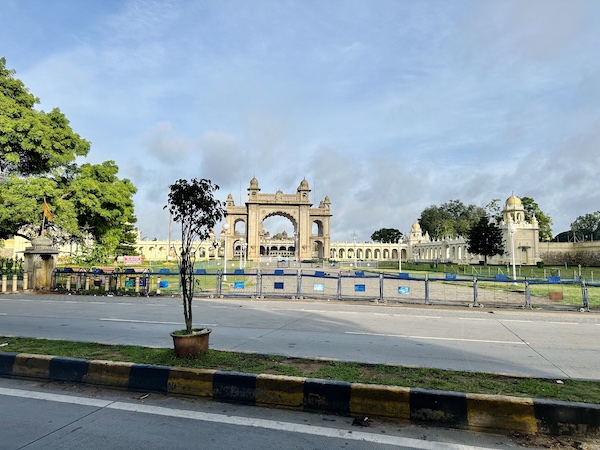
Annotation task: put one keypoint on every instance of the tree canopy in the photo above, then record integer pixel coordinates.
(38, 153)
(544, 221)
(450, 219)
(485, 238)
(387, 235)
(587, 227)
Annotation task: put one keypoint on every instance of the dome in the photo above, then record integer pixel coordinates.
(254, 183)
(416, 226)
(513, 201)
(304, 185)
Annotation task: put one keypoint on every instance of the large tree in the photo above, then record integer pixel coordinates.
(450, 219)
(587, 227)
(544, 221)
(387, 235)
(38, 153)
(485, 238)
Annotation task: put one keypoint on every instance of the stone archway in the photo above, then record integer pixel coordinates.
(295, 207)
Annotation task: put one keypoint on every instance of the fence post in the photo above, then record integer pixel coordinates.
(137, 284)
(475, 293)
(25, 280)
(527, 295)
(427, 289)
(219, 281)
(299, 282)
(3, 283)
(87, 282)
(15, 282)
(584, 296)
(68, 283)
(157, 285)
(339, 286)
(381, 287)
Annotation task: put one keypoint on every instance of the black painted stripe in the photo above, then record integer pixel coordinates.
(326, 395)
(448, 408)
(146, 377)
(234, 386)
(556, 417)
(7, 361)
(68, 369)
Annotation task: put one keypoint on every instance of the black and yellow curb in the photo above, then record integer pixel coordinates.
(451, 409)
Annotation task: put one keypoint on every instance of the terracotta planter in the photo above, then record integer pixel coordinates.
(191, 345)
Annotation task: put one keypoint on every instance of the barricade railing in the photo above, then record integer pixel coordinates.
(451, 289)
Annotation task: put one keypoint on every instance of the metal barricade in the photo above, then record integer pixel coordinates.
(360, 285)
(451, 290)
(403, 288)
(279, 283)
(238, 284)
(319, 284)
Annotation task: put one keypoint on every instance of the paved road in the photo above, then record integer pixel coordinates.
(533, 343)
(58, 415)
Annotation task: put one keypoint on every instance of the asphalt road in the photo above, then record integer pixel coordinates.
(523, 342)
(60, 415)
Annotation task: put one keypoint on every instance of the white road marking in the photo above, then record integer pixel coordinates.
(140, 321)
(471, 318)
(485, 341)
(516, 320)
(336, 433)
(564, 323)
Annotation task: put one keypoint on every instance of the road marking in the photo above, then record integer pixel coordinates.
(564, 323)
(140, 321)
(471, 318)
(516, 320)
(433, 338)
(336, 433)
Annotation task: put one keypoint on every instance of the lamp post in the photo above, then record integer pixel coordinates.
(512, 228)
(354, 236)
(226, 229)
(400, 241)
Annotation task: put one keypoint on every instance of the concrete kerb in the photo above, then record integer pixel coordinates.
(499, 414)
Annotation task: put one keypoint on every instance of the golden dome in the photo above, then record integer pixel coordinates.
(416, 226)
(513, 201)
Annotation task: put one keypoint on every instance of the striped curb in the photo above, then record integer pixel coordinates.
(451, 409)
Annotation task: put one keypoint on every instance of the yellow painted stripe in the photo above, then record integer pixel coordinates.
(108, 373)
(496, 412)
(34, 366)
(196, 382)
(280, 390)
(386, 401)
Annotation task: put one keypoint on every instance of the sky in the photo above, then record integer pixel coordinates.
(387, 107)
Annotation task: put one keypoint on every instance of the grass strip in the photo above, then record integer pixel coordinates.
(481, 383)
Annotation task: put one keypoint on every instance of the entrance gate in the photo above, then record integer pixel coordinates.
(311, 225)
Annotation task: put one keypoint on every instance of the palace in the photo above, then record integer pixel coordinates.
(243, 237)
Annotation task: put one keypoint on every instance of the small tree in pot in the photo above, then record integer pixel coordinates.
(193, 206)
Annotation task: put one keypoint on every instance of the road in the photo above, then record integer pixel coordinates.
(57, 415)
(521, 342)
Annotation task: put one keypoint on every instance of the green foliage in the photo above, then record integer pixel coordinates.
(193, 205)
(387, 235)
(38, 151)
(587, 227)
(485, 238)
(544, 221)
(451, 219)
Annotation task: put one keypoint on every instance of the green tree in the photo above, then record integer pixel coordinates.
(387, 235)
(193, 205)
(544, 221)
(485, 238)
(38, 153)
(587, 227)
(450, 219)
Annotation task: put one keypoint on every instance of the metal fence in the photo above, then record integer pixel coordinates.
(448, 289)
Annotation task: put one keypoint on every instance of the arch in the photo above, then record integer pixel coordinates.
(310, 225)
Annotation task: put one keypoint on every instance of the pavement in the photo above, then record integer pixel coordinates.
(476, 412)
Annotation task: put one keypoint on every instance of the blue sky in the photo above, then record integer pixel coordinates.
(387, 107)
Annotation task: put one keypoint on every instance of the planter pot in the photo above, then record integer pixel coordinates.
(191, 345)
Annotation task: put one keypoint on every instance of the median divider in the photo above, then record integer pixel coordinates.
(476, 412)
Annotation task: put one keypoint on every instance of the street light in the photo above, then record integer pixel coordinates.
(512, 228)
(225, 228)
(400, 241)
